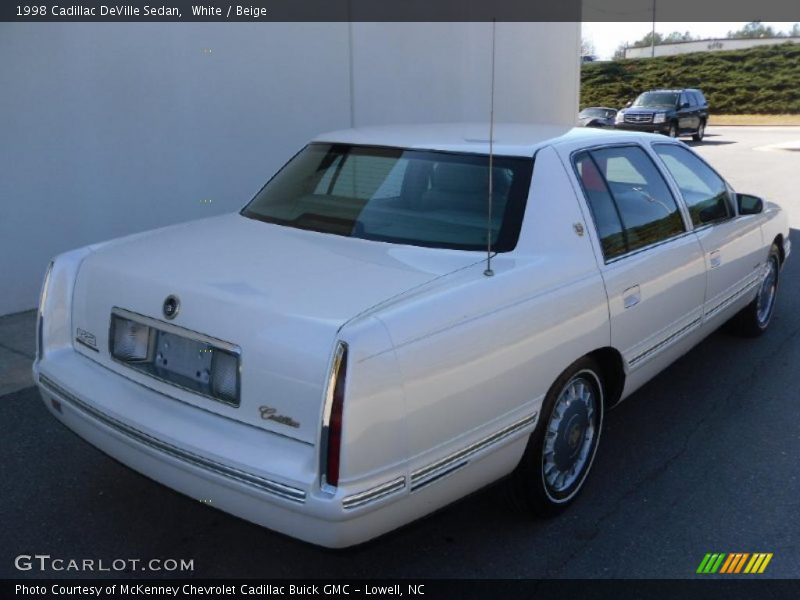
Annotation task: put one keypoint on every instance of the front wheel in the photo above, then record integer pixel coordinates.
(561, 449)
(673, 130)
(754, 319)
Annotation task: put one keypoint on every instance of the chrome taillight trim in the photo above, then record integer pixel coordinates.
(269, 486)
(330, 386)
(436, 470)
(40, 320)
(374, 494)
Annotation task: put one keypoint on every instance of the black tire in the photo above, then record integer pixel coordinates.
(673, 130)
(530, 486)
(701, 132)
(753, 320)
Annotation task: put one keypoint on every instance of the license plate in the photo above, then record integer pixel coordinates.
(176, 356)
(184, 357)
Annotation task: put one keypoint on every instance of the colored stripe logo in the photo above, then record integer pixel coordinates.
(734, 562)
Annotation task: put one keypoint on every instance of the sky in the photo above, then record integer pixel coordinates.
(607, 36)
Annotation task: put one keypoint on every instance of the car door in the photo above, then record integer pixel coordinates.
(697, 109)
(686, 116)
(652, 266)
(702, 106)
(732, 244)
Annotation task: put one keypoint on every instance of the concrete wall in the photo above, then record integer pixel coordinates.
(114, 128)
(706, 46)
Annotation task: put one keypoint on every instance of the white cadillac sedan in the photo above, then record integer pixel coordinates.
(340, 358)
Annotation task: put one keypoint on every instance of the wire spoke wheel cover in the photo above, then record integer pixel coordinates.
(766, 294)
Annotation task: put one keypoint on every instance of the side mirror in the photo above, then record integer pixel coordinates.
(749, 205)
(685, 105)
(628, 104)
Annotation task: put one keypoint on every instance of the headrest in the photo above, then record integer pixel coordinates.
(592, 180)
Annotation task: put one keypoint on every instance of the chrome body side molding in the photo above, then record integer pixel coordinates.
(436, 470)
(374, 494)
(274, 488)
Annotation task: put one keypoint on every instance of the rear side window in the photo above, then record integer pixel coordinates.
(705, 193)
(631, 204)
(604, 211)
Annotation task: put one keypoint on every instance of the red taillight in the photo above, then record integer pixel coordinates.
(335, 423)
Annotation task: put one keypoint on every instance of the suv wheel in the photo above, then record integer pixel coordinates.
(701, 131)
(673, 130)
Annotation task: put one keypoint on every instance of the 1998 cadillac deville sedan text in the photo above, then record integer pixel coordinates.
(337, 363)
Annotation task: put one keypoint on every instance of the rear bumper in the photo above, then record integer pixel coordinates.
(259, 476)
(171, 443)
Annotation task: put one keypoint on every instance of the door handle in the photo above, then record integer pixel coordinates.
(631, 297)
(714, 259)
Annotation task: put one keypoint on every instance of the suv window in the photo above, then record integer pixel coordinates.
(701, 100)
(631, 204)
(705, 193)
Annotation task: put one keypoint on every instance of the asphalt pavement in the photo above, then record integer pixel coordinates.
(702, 459)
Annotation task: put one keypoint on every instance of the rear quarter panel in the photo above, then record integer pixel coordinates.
(477, 353)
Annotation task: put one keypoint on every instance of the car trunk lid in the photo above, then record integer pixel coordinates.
(278, 294)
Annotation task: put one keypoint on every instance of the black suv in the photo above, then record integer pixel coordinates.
(671, 112)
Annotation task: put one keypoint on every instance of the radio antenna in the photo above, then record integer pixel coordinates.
(488, 272)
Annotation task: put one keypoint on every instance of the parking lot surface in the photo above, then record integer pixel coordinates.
(703, 459)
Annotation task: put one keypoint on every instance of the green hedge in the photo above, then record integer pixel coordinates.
(762, 80)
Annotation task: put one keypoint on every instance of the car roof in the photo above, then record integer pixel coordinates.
(510, 139)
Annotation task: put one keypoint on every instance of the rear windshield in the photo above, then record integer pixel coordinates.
(657, 99)
(415, 197)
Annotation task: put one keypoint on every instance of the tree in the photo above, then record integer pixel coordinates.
(587, 47)
(619, 53)
(675, 36)
(754, 29)
(648, 40)
(795, 30)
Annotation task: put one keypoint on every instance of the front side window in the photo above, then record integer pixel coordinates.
(631, 204)
(705, 193)
(415, 197)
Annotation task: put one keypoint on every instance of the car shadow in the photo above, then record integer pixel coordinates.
(709, 142)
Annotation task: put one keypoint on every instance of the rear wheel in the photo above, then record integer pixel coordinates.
(754, 319)
(701, 132)
(561, 449)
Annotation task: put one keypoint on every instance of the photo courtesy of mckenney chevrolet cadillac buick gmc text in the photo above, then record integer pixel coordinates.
(337, 362)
